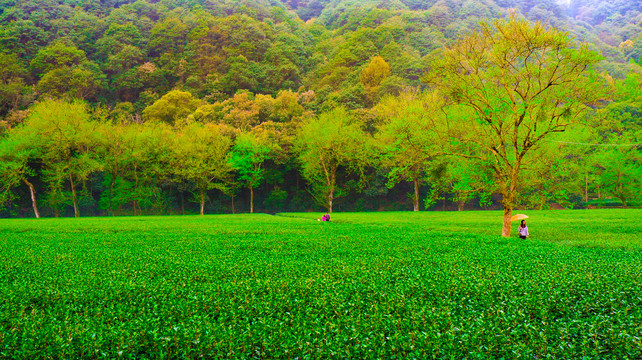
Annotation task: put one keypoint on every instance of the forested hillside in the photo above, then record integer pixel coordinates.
(187, 106)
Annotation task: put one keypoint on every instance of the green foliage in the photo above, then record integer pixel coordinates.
(201, 157)
(172, 108)
(268, 66)
(365, 285)
(136, 162)
(247, 158)
(68, 141)
(57, 56)
(327, 143)
(410, 137)
(523, 81)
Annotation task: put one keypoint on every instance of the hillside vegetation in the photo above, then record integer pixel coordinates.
(137, 107)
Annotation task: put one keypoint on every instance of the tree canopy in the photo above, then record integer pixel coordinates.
(523, 82)
(155, 107)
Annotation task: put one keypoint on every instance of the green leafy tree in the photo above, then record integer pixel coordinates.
(412, 137)
(137, 161)
(173, 107)
(619, 170)
(247, 158)
(57, 56)
(326, 144)
(469, 178)
(552, 174)
(19, 156)
(201, 157)
(67, 139)
(616, 161)
(373, 75)
(80, 82)
(168, 36)
(523, 81)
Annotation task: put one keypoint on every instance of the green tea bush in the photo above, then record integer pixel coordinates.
(377, 285)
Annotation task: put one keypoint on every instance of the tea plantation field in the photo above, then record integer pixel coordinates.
(366, 285)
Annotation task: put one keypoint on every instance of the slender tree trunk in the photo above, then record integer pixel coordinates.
(619, 189)
(111, 195)
(202, 202)
(331, 176)
(34, 204)
(586, 187)
(135, 186)
(73, 196)
(415, 200)
(251, 200)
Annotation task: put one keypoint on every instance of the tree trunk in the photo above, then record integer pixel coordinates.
(508, 213)
(73, 196)
(251, 200)
(508, 200)
(460, 205)
(33, 198)
(415, 200)
(202, 202)
(233, 210)
(586, 187)
(509, 196)
(330, 199)
(111, 197)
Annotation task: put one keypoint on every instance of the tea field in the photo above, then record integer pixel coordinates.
(365, 286)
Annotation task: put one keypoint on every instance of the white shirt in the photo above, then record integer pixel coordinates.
(523, 231)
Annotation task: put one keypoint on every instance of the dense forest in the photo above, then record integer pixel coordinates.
(120, 107)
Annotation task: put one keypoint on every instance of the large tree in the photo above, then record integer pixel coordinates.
(247, 158)
(324, 145)
(410, 137)
(200, 157)
(523, 82)
(67, 138)
(19, 156)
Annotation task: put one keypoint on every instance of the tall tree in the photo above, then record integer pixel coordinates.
(200, 157)
(137, 160)
(247, 158)
(68, 140)
(19, 156)
(325, 144)
(523, 81)
(412, 136)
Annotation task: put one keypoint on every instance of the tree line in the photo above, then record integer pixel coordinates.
(176, 110)
(499, 117)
